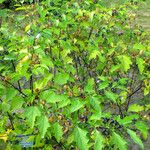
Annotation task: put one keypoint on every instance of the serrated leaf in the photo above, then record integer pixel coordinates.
(141, 64)
(95, 103)
(119, 142)
(114, 68)
(103, 85)
(94, 54)
(43, 125)
(52, 97)
(89, 88)
(70, 139)
(135, 138)
(103, 78)
(143, 127)
(61, 78)
(64, 103)
(125, 62)
(96, 116)
(58, 131)
(47, 61)
(111, 96)
(99, 141)
(76, 105)
(40, 84)
(31, 113)
(128, 119)
(10, 93)
(123, 81)
(135, 108)
(16, 103)
(80, 137)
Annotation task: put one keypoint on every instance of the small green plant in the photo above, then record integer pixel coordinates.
(69, 77)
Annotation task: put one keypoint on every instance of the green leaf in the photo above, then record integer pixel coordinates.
(16, 103)
(114, 68)
(119, 142)
(143, 127)
(89, 88)
(123, 81)
(94, 54)
(76, 105)
(27, 28)
(58, 131)
(43, 125)
(40, 84)
(64, 102)
(99, 141)
(10, 93)
(125, 62)
(135, 108)
(95, 103)
(103, 85)
(139, 47)
(91, 15)
(61, 78)
(135, 138)
(52, 97)
(47, 61)
(111, 96)
(128, 119)
(123, 96)
(96, 116)
(1, 1)
(31, 113)
(80, 137)
(140, 62)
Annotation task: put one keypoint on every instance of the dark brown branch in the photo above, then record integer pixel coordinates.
(31, 83)
(128, 102)
(91, 30)
(9, 83)
(120, 111)
(19, 86)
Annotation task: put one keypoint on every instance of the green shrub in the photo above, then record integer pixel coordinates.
(68, 78)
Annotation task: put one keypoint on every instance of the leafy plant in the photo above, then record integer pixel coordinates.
(69, 75)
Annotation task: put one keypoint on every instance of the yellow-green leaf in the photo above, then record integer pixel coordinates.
(43, 125)
(81, 139)
(119, 142)
(135, 138)
(94, 54)
(141, 64)
(31, 113)
(135, 108)
(125, 62)
(99, 141)
(58, 131)
(27, 28)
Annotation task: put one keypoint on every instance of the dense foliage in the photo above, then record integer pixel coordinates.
(73, 74)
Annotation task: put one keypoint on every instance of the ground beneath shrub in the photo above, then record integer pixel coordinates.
(144, 15)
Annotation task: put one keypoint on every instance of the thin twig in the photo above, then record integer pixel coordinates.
(9, 83)
(132, 95)
(120, 110)
(31, 83)
(19, 86)
(91, 30)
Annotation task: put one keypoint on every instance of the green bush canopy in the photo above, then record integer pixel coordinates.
(73, 75)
